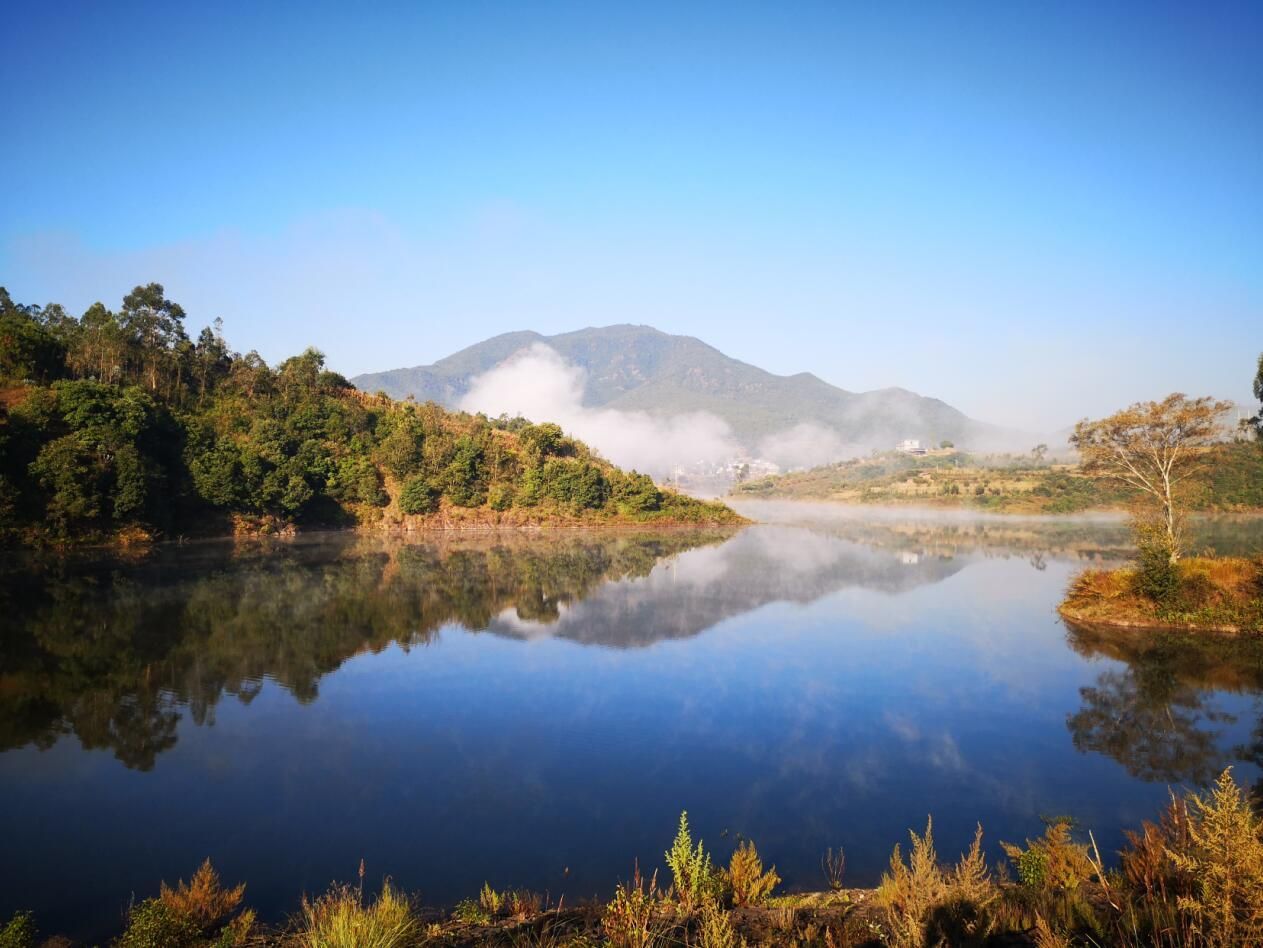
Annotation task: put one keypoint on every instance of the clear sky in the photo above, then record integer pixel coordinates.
(1034, 211)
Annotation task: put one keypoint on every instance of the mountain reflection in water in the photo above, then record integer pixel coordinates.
(536, 710)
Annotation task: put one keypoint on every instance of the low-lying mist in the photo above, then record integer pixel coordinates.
(539, 384)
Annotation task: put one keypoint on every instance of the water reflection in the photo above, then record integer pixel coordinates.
(115, 651)
(1158, 712)
(536, 710)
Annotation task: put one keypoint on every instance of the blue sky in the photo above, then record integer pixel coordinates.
(1032, 211)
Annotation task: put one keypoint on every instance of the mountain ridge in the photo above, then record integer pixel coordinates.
(636, 367)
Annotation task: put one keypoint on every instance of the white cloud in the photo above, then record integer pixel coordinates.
(539, 384)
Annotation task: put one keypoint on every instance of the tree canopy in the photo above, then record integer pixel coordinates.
(1154, 448)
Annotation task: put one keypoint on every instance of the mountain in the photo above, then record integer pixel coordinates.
(641, 368)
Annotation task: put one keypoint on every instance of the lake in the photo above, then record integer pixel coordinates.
(536, 710)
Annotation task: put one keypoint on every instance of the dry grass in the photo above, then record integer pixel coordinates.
(340, 919)
(629, 920)
(745, 877)
(1213, 593)
(203, 899)
(1224, 854)
(927, 905)
(523, 903)
(833, 865)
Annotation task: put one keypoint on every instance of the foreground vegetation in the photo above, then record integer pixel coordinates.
(115, 425)
(1192, 878)
(1007, 483)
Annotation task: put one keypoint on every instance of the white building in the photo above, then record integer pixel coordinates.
(910, 446)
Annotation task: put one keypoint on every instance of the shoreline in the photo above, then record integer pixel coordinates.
(935, 505)
(136, 541)
(1081, 618)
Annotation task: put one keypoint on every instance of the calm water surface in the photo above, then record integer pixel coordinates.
(537, 711)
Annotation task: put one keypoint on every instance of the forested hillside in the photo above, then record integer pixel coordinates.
(119, 425)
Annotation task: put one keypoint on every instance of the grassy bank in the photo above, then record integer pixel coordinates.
(1222, 594)
(1005, 483)
(1191, 879)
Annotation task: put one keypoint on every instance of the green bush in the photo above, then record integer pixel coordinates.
(153, 924)
(500, 497)
(418, 497)
(547, 441)
(636, 493)
(695, 880)
(578, 484)
(400, 449)
(358, 481)
(464, 480)
(19, 931)
(1157, 578)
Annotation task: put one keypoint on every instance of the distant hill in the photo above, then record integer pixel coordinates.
(641, 368)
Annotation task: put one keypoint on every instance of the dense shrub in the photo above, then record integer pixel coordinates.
(19, 931)
(577, 484)
(927, 905)
(745, 878)
(464, 479)
(358, 480)
(1156, 575)
(418, 496)
(695, 880)
(546, 441)
(154, 924)
(500, 497)
(636, 493)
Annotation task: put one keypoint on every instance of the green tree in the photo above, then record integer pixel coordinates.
(1257, 420)
(154, 325)
(28, 349)
(636, 493)
(102, 469)
(211, 359)
(401, 446)
(418, 496)
(577, 484)
(546, 440)
(464, 480)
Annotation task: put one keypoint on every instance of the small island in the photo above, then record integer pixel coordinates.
(116, 427)
(1202, 593)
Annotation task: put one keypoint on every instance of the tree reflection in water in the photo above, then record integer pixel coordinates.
(114, 651)
(1157, 716)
